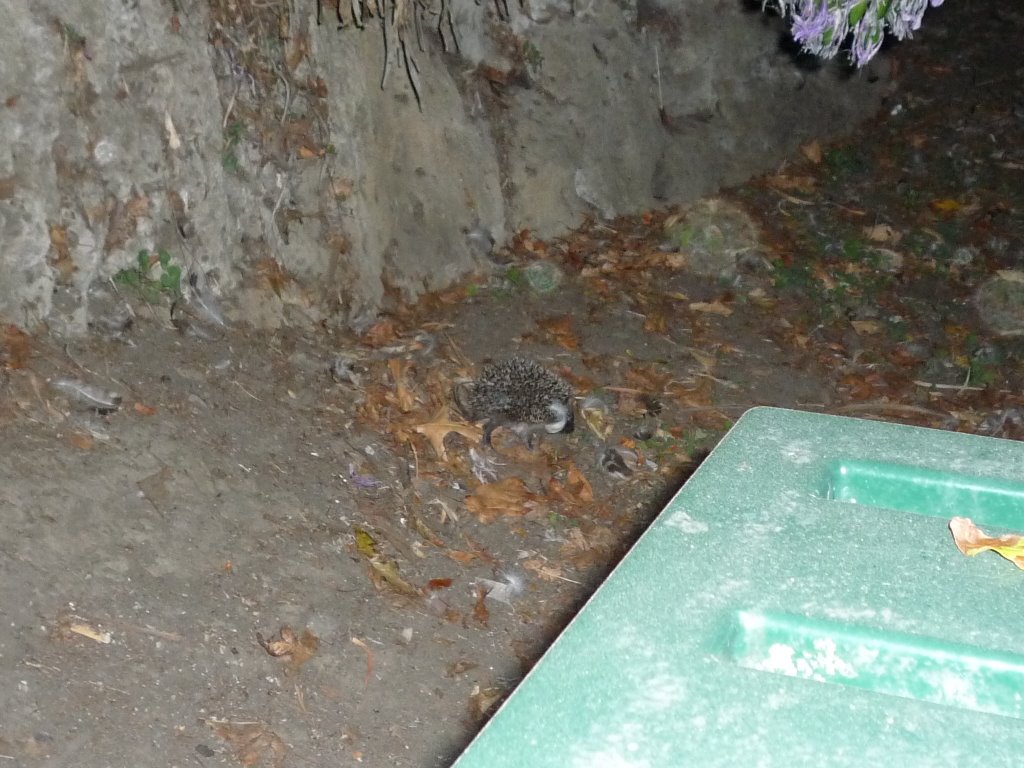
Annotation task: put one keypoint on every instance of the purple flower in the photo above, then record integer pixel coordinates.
(811, 21)
(821, 26)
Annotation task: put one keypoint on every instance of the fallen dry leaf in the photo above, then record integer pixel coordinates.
(15, 347)
(586, 550)
(425, 531)
(271, 271)
(812, 151)
(144, 410)
(481, 615)
(81, 440)
(459, 668)
(365, 543)
(154, 487)
(646, 379)
(598, 421)
(575, 490)
(656, 323)
(385, 570)
(542, 568)
(1011, 275)
(882, 233)
(785, 183)
(561, 329)
(482, 701)
(369, 659)
(866, 327)
(711, 307)
(250, 742)
(505, 497)
(61, 260)
(298, 648)
(971, 540)
(69, 625)
(946, 206)
(381, 333)
(406, 399)
(441, 425)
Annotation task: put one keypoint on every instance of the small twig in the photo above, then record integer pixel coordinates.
(287, 95)
(416, 460)
(369, 660)
(657, 74)
(906, 410)
(250, 394)
(387, 53)
(717, 380)
(958, 387)
(153, 632)
(231, 106)
(457, 352)
(280, 197)
(412, 72)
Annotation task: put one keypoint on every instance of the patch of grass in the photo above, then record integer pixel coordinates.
(795, 276)
(515, 277)
(532, 56)
(232, 138)
(149, 285)
(843, 162)
(556, 520)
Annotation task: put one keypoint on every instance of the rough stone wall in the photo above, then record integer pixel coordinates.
(235, 141)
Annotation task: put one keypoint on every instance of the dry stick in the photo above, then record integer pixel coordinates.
(387, 53)
(657, 73)
(287, 95)
(369, 660)
(457, 352)
(231, 106)
(906, 410)
(412, 72)
(958, 387)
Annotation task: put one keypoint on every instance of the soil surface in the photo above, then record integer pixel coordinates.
(285, 548)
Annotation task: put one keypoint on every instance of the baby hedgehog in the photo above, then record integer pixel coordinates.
(518, 394)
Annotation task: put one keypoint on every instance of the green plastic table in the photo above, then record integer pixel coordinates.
(799, 602)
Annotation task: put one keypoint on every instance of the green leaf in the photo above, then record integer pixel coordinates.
(857, 12)
(127, 277)
(143, 259)
(165, 258)
(170, 280)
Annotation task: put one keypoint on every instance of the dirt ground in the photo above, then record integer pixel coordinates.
(279, 548)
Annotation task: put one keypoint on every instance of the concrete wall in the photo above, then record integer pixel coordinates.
(235, 137)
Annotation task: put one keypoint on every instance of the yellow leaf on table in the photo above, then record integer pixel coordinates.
(971, 540)
(441, 425)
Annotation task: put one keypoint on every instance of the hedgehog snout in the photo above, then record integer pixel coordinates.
(563, 418)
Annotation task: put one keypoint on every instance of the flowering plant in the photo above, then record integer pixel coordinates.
(821, 26)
